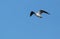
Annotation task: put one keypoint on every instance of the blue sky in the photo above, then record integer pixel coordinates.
(16, 23)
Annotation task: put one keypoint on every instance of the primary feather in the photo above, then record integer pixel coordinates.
(32, 13)
(42, 11)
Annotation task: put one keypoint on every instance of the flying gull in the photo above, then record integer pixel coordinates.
(38, 14)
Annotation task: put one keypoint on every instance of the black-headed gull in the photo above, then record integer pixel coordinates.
(38, 14)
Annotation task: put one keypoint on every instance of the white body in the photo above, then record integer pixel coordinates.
(38, 14)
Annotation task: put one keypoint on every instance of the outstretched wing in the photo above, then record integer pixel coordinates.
(42, 11)
(32, 13)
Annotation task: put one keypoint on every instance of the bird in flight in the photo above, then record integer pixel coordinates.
(38, 14)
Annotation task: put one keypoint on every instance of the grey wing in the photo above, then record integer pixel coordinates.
(32, 13)
(42, 11)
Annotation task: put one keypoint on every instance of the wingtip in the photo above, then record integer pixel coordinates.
(48, 13)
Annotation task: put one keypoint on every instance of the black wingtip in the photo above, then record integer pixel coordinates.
(32, 13)
(48, 13)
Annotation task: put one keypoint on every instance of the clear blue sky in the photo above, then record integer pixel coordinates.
(15, 22)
